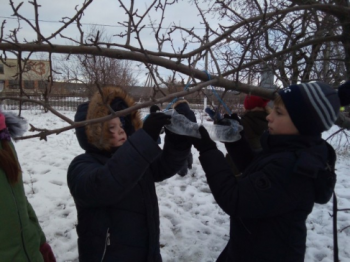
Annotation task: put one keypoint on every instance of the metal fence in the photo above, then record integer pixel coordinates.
(58, 102)
(69, 102)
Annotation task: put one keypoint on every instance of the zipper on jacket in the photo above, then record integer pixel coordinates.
(20, 222)
(107, 243)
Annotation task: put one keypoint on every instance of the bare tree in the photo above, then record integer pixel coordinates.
(301, 40)
(95, 71)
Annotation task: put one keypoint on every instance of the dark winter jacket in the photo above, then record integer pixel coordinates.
(269, 205)
(115, 196)
(214, 115)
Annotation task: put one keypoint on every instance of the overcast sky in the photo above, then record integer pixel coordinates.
(106, 13)
(103, 13)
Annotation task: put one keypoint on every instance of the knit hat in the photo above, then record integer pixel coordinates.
(312, 107)
(344, 93)
(251, 102)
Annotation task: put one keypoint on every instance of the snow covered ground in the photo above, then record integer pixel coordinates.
(193, 227)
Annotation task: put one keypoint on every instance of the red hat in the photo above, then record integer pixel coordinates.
(251, 102)
(2, 122)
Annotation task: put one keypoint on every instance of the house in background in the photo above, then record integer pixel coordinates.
(34, 77)
(35, 80)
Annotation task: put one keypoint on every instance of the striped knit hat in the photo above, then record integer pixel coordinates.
(312, 107)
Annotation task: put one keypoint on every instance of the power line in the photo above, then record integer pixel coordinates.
(93, 24)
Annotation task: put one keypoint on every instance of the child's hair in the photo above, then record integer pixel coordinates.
(278, 100)
(9, 162)
(268, 109)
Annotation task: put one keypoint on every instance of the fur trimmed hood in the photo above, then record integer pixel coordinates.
(118, 99)
(183, 107)
(180, 101)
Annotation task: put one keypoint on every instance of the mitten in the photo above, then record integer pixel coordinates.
(226, 120)
(205, 143)
(47, 253)
(234, 116)
(154, 109)
(154, 123)
(179, 142)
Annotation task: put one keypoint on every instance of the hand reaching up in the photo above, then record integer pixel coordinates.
(154, 124)
(205, 143)
(226, 120)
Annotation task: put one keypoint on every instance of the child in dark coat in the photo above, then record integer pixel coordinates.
(214, 114)
(113, 181)
(269, 204)
(182, 107)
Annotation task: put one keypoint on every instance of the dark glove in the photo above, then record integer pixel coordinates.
(154, 123)
(226, 120)
(234, 116)
(179, 142)
(47, 253)
(205, 143)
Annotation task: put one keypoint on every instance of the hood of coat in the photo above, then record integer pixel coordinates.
(96, 136)
(183, 108)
